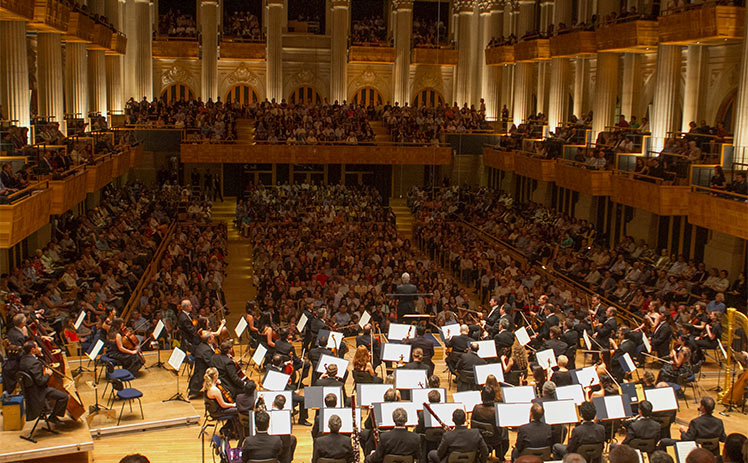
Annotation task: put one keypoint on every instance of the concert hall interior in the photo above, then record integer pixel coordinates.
(378, 231)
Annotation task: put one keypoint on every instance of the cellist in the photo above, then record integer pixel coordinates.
(128, 358)
(39, 391)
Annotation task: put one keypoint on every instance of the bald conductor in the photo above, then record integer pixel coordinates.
(406, 296)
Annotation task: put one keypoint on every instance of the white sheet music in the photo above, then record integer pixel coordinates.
(176, 358)
(280, 423)
(79, 320)
(587, 341)
(334, 339)
(411, 379)
(275, 381)
(259, 354)
(560, 412)
(512, 415)
(396, 352)
(302, 322)
(419, 396)
(614, 407)
(95, 350)
(518, 394)
(398, 332)
(329, 360)
(158, 329)
(588, 376)
(240, 327)
(443, 411)
(573, 392)
(371, 393)
(468, 398)
(662, 398)
(629, 362)
(346, 419)
(486, 349)
(522, 336)
(384, 413)
(450, 330)
(482, 372)
(269, 397)
(546, 359)
(647, 345)
(365, 317)
(683, 448)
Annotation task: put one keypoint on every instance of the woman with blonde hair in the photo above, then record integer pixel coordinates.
(363, 371)
(219, 403)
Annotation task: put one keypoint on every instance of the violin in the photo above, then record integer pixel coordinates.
(130, 341)
(226, 396)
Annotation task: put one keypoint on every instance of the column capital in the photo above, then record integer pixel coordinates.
(402, 4)
(465, 6)
(341, 3)
(488, 6)
(275, 3)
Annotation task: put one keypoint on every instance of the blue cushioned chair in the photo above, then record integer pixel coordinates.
(127, 395)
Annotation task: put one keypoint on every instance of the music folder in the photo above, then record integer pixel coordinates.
(468, 398)
(512, 415)
(302, 322)
(280, 423)
(328, 360)
(368, 394)
(560, 412)
(443, 411)
(612, 407)
(627, 363)
(633, 391)
(419, 396)
(383, 413)
(572, 392)
(450, 330)
(546, 359)
(269, 396)
(240, 327)
(259, 355)
(481, 372)
(411, 379)
(176, 358)
(399, 331)
(662, 399)
(275, 381)
(346, 419)
(522, 336)
(365, 317)
(518, 394)
(396, 352)
(683, 448)
(314, 396)
(487, 349)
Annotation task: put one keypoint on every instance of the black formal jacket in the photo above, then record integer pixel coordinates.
(462, 439)
(406, 299)
(493, 316)
(571, 338)
(261, 447)
(661, 337)
(642, 428)
(533, 435)
(398, 441)
(605, 330)
(334, 446)
(509, 318)
(503, 339)
(704, 427)
(558, 346)
(587, 432)
(425, 344)
(550, 321)
(284, 348)
(467, 361)
(316, 353)
(187, 330)
(459, 343)
(203, 357)
(37, 391)
(227, 373)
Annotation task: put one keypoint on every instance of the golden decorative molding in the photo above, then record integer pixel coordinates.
(629, 37)
(497, 56)
(248, 51)
(710, 23)
(437, 56)
(364, 54)
(577, 43)
(532, 50)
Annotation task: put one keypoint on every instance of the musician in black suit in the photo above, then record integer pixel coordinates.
(551, 320)
(330, 379)
(504, 338)
(434, 397)
(534, 434)
(465, 368)
(366, 339)
(426, 346)
(203, 355)
(506, 314)
(228, 372)
(704, 426)
(571, 337)
(331, 401)
(643, 427)
(406, 297)
(417, 362)
(587, 432)
(461, 439)
(626, 346)
(287, 352)
(459, 345)
(38, 393)
(17, 336)
(604, 332)
(554, 342)
(333, 445)
(493, 315)
(598, 309)
(315, 354)
(187, 324)
(262, 446)
(276, 364)
(398, 441)
(661, 336)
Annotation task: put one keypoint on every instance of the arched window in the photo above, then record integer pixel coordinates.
(242, 93)
(428, 97)
(305, 95)
(177, 92)
(368, 96)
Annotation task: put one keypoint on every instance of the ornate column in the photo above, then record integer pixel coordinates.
(693, 94)
(557, 99)
(339, 44)
(403, 19)
(466, 68)
(209, 60)
(665, 94)
(97, 82)
(76, 79)
(491, 25)
(741, 108)
(523, 72)
(114, 91)
(274, 53)
(606, 91)
(581, 78)
(631, 85)
(50, 101)
(139, 55)
(14, 73)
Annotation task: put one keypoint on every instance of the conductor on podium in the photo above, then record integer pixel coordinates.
(406, 296)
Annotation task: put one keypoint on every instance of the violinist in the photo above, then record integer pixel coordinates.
(459, 345)
(250, 317)
(203, 355)
(227, 369)
(661, 335)
(128, 358)
(38, 393)
(288, 354)
(17, 336)
(218, 401)
(276, 364)
(624, 345)
(267, 334)
(712, 332)
(605, 331)
(550, 319)
(187, 324)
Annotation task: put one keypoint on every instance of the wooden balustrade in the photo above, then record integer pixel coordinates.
(498, 159)
(497, 56)
(532, 50)
(80, 28)
(572, 44)
(650, 194)
(440, 56)
(716, 210)
(316, 154)
(24, 217)
(16, 10)
(98, 175)
(50, 16)
(575, 177)
(364, 54)
(248, 51)
(163, 48)
(118, 46)
(68, 192)
(102, 38)
(710, 24)
(535, 168)
(136, 155)
(631, 36)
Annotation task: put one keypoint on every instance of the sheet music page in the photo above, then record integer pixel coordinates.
(346, 419)
(280, 423)
(95, 350)
(79, 320)
(662, 398)
(419, 396)
(302, 322)
(393, 352)
(512, 415)
(588, 376)
(614, 406)
(275, 381)
(384, 419)
(158, 329)
(398, 331)
(518, 394)
(560, 412)
(240, 327)
(259, 354)
(487, 349)
(683, 448)
(468, 398)
(365, 317)
(522, 336)
(629, 362)
(443, 411)
(587, 341)
(328, 360)
(647, 345)
(269, 398)
(411, 379)
(371, 393)
(176, 358)
(573, 392)
(334, 339)
(482, 372)
(450, 330)
(546, 359)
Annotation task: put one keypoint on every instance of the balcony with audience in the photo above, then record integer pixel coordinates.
(176, 35)
(500, 50)
(702, 23)
(242, 36)
(627, 32)
(533, 46)
(368, 41)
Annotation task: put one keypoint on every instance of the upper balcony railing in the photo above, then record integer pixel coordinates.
(572, 44)
(445, 56)
(497, 56)
(243, 49)
(702, 24)
(172, 47)
(532, 50)
(16, 10)
(50, 16)
(371, 53)
(718, 210)
(629, 36)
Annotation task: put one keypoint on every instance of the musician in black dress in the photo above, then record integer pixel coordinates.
(39, 392)
(115, 349)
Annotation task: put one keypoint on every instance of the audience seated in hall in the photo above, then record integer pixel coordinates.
(242, 25)
(177, 24)
(368, 30)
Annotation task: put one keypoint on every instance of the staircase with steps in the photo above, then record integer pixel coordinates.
(245, 130)
(403, 218)
(380, 131)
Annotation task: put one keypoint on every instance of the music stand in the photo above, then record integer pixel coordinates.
(175, 361)
(92, 354)
(80, 370)
(156, 334)
(97, 409)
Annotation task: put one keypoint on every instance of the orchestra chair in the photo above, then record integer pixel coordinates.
(665, 422)
(513, 377)
(119, 374)
(461, 457)
(466, 381)
(709, 444)
(592, 453)
(398, 459)
(490, 436)
(544, 453)
(102, 362)
(26, 382)
(431, 439)
(210, 421)
(127, 395)
(686, 381)
(644, 445)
